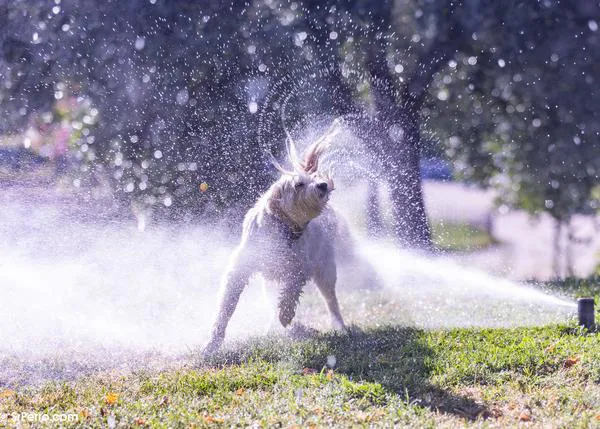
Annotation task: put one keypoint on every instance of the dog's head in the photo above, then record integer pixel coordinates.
(301, 195)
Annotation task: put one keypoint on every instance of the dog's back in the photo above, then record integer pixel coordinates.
(354, 270)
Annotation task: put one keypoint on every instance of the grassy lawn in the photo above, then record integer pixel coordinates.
(460, 237)
(378, 376)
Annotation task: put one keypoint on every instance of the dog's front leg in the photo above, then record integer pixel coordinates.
(232, 285)
(289, 297)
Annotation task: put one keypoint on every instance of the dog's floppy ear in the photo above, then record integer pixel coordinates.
(277, 165)
(273, 201)
(311, 159)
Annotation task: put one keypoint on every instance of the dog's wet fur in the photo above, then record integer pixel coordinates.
(290, 237)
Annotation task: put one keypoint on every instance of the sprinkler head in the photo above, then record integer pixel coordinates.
(585, 313)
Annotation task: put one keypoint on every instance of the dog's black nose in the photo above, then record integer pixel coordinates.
(322, 186)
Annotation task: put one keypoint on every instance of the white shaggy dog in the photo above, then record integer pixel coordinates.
(288, 237)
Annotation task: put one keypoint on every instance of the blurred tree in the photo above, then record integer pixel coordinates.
(521, 108)
(191, 92)
(172, 82)
(379, 52)
(178, 86)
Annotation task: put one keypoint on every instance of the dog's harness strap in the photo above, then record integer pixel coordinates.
(291, 229)
(292, 233)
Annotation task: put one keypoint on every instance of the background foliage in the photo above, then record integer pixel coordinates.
(176, 93)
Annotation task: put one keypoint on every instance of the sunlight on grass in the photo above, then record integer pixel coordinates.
(459, 237)
(374, 376)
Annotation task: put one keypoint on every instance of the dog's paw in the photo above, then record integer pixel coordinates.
(286, 314)
(211, 348)
(298, 331)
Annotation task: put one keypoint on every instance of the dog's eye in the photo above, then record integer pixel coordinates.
(299, 185)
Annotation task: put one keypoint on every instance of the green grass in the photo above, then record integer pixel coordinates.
(575, 287)
(383, 376)
(459, 237)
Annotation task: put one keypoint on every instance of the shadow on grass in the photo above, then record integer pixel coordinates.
(398, 358)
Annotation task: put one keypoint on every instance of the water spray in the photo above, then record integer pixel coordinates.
(585, 313)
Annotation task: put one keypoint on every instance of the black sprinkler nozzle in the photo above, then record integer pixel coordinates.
(585, 313)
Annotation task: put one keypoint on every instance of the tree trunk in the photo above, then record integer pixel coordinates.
(400, 119)
(410, 224)
(397, 130)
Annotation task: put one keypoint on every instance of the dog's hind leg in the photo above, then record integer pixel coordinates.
(325, 280)
(232, 286)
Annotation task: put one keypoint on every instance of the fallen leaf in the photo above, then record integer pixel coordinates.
(211, 419)
(597, 417)
(164, 400)
(7, 393)
(571, 361)
(308, 371)
(203, 187)
(140, 422)
(551, 347)
(111, 398)
(85, 413)
(362, 416)
(240, 391)
(496, 412)
(525, 416)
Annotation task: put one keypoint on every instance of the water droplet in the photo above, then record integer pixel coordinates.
(140, 42)
(111, 422)
(331, 361)
(182, 96)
